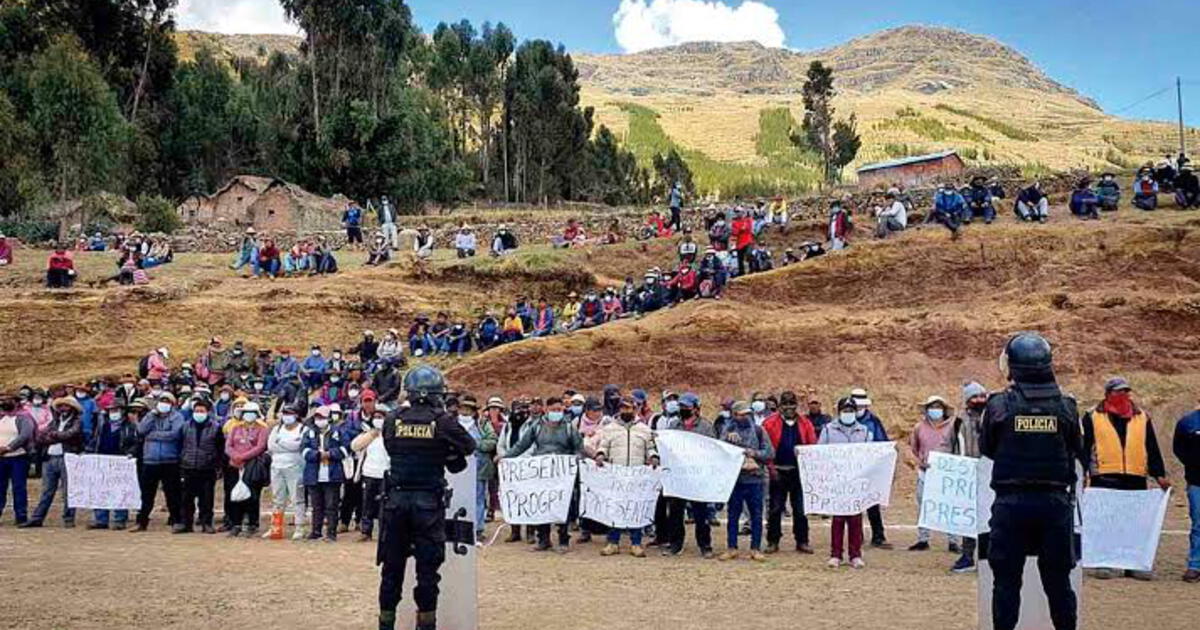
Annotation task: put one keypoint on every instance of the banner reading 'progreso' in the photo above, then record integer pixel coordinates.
(623, 497)
(537, 490)
(846, 479)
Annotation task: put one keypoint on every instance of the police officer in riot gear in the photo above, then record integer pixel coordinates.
(1031, 431)
(423, 442)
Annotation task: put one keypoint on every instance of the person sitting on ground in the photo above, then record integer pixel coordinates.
(487, 332)
(1085, 203)
(572, 235)
(1145, 191)
(760, 259)
(811, 249)
(161, 253)
(979, 202)
(504, 241)
(611, 306)
(390, 347)
(790, 257)
(458, 339)
(1164, 175)
(652, 295)
(6, 251)
(465, 242)
(712, 275)
(268, 259)
(380, 252)
(685, 285)
(656, 227)
(543, 319)
(423, 244)
(570, 310)
(719, 234)
(420, 340)
(1187, 188)
(60, 268)
(247, 251)
(1032, 204)
(1109, 192)
(687, 247)
(614, 235)
(440, 332)
(840, 226)
(321, 260)
(97, 243)
(892, 217)
(513, 328)
(591, 312)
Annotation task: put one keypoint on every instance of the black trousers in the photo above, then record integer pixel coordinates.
(564, 529)
(676, 222)
(675, 534)
(352, 502)
(324, 499)
(199, 492)
(661, 523)
(371, 490)
(241, 512)
(151, 476)
(226, 489)
(413, 526)
(1032, 524)
(875, 516)
(786, 489)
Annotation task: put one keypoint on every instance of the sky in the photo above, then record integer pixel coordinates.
(1090, 45)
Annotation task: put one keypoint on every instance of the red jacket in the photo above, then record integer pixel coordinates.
(61, 261)
(743, 232)
(773, 427)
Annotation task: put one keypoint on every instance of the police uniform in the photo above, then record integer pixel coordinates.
(422, 441)
(1031, 431)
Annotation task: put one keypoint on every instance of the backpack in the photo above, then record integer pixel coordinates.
(144, 367)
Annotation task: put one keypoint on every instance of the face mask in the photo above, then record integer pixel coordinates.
(225, 396)
(335, 417)
(935, 414)
(81, 395)
(115, 416)
(258, 387)
(200, 417)
(352, 393)
(337, 355)
(686, 413)
(322, 423)
(758, 406)
(554, 416)
(38, 402)
(334, 380)
(847, 418)
(163, 407)
(627, 416)
(316, 353)
(860, 413)
(466, 421)
(576, 409)
(289, 419)
(723, 414)
(249, 416)
(671, 407)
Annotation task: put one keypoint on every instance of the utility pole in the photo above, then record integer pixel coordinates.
(1179, 100)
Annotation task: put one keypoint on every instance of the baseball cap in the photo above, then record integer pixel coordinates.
(1117, 384)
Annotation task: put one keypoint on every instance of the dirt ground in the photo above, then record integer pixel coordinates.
(154, 580)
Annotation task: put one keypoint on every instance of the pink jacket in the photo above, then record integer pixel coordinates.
(157, 368)
(245, 441)
(928, 437)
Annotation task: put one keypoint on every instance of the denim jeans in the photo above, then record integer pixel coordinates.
(481, 495)
(120, 517)
(748, 495)
(15, 470)
(54, 475)
(1193, 493)
(635, 536)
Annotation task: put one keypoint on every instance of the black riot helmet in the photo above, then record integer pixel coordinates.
(1028, 358)
(424, 383)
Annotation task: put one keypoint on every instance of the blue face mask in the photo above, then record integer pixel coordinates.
(554, 416)
(935, 414)
(199, 417)
(671, 407)
(577, 409)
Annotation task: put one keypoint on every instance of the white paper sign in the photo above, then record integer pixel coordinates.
(106, 482)
(1121, 528)
(697, 468)
(537, 490)
(846, 479)
(623, 497)
(949, 502)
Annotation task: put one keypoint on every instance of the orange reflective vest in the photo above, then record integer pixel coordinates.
(1110, 458)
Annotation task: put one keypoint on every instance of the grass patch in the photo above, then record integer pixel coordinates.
(786, 173)
(774, 142)
(1000, 127)
(932, 129)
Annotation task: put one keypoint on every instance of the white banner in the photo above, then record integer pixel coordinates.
(949, 502)
(1121, 528)
(537, 490)
(697, 468)
(106, 482)
(623, 497)
(846, 479)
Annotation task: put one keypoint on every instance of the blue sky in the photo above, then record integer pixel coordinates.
(1115, 52)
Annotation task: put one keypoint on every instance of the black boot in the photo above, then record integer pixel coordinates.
(427, 620)
(387, 620)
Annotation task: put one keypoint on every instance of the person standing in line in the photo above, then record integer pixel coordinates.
(65, 435)
(846, 429)
(323, 475)
(1186, 447)
(199, 463)
(787, 429)
(285, 444)
(161, 432)
(964, 440)
(748, 490)
(931, 434)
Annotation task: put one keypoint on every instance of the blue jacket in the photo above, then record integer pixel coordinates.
(875, 425)
(352, 217)
(88, 417)
(980, 196)
(163, 437)
(1187, 446)
(310, 450)
(285, 368)
(952, 203)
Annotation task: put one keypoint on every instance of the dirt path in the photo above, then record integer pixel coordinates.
(154, 580)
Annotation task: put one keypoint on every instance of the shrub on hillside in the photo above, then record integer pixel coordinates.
(156, 214)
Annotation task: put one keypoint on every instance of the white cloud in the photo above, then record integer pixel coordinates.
(233, 16)
(644, 24)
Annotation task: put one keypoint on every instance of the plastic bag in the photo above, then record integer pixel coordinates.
(241, 492)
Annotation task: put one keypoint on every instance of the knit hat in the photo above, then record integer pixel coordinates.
(971, 390)
(741, 407)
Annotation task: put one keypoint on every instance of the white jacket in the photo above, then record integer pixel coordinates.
(375, 462)
(284, 446)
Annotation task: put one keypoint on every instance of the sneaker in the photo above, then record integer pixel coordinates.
(1106, 574)
(364, 537)
(758, 556)
(732, 554)
(314, 536)
(1191, 576)
(805, 549)
(234, 532)
(97, 526)
(834, 563)
(178, 528)
(919, 546)
(31, 524)
(637, 552)
(772, 548)
(69, 524)
(251, 531)
(331, 538)
(881, 543)
(707, 554)
(208, 529)
(964, 565)
(609, 550)
(298, 534)
(513, 537)
(541, 547)
(857, 563)
(954, 548)
(1142, 576)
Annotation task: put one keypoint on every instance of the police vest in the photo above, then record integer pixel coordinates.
(416, 452)
(1110, 457)
(1032, 448)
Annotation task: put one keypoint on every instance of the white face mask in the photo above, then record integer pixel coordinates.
(377, 422)
(671, 407)
(352, 393)
(847, 418)
(289, 419)
(258, 387)
(38, 402)
(115, 416)
(163, 407)
(225, 396)
(860, 413)
(249, 416)
(321, 423)
(316, 353)
(758, 406)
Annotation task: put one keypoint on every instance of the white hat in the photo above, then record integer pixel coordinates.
(163, 351)
(251, 406)
(935, 400)
(859, 395)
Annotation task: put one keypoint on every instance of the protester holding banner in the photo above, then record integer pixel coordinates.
(748, 491)
(846, 429)
(673, 538)
(625, 442)
(787, 429)
(1187, 449)
(114, 433)
(1123, 451)
(930, 434)
(64, 435)
(964, 440)
(161, 431)
(551, 435)
(868, 419)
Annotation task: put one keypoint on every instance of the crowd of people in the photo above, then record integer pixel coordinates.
(312, 435)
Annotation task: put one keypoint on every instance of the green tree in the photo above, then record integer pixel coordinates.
(20, 181)
(156, 214)
(671, 168)
(80, 133)
(837, 142)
